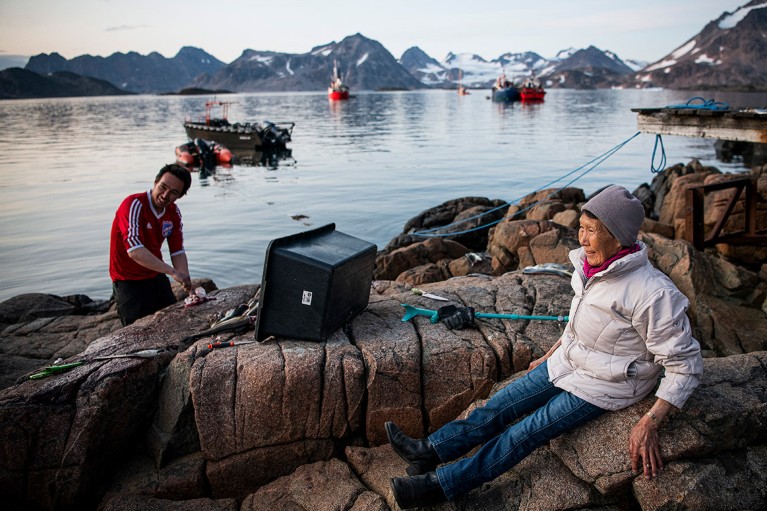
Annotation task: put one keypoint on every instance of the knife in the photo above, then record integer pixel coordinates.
(419, 292)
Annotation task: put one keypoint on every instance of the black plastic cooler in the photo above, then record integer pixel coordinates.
(313, 282)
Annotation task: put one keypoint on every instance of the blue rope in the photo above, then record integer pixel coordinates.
(662, 165)
(430, 233)
(705, 104)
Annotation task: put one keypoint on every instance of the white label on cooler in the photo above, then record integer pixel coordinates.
(306, 298)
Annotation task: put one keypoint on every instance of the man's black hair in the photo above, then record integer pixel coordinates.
(180, 172)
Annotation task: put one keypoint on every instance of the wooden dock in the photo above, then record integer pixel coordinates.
(745, 125)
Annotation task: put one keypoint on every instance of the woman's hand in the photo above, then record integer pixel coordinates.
(644, 443)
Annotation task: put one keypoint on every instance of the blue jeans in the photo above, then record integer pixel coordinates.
(554, 412)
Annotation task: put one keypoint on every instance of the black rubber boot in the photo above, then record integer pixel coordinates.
(419, 454)
(417, 491)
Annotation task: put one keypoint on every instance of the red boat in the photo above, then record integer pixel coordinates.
(338, 94)
(202, 152)
(531, 90)
(337, 90)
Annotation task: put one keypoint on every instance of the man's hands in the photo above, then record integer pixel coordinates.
(179, 271)
(182, 278)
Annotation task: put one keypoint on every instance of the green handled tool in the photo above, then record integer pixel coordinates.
(450, 310)
(55, 369)
(411, 312)
(62, 368)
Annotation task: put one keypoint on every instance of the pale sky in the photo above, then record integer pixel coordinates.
(637, 29)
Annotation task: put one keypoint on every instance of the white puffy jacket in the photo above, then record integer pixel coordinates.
(626, 323)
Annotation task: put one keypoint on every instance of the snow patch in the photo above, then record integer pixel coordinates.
(287, 67)
(431, 68)
(636, 65)
(662, 64)
(363, 59)
(565, 54)
(262, 59)
(731, 20)
(683, 50)
(705, 59)
(323, 50)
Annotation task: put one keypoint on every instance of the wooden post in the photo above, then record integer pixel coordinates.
(694, 217)
(750, 210)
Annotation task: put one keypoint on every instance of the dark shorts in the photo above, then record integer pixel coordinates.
(138, 298)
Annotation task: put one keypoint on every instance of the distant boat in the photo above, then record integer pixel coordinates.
(337, 90)
(531, 90)
(462, 91)
(241, 139)
(504, 90)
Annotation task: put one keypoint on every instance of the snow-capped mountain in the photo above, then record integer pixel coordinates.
(729, 52)
(364, 64)
(571, 67)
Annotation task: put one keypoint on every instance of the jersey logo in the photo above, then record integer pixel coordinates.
(167, 228)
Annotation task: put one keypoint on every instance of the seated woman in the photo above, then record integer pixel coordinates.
(627, 322)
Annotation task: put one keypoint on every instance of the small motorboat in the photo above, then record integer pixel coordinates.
(337, 90)
(531, 90)
(203, 153)
(504, 90)
(239, 138)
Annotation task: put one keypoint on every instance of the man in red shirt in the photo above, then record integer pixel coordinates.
(142, 222)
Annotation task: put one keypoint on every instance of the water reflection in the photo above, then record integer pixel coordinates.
(269, 159)
(222, 174)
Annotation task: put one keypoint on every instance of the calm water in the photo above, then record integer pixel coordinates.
(368, 165)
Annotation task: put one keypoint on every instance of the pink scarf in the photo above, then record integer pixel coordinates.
(590, 271)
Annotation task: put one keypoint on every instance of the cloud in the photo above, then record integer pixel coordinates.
(120, 28)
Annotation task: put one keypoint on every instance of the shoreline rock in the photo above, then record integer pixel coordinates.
(285, 424)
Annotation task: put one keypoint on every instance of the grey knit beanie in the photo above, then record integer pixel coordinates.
(621, 212)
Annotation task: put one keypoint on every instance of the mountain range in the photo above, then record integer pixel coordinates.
(725, 54)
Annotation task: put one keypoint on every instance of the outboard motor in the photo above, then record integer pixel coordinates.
(274, 136)
(207, 156)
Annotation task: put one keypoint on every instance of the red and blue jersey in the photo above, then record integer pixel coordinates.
(137, 225)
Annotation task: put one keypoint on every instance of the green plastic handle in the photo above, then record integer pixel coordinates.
(48, 371)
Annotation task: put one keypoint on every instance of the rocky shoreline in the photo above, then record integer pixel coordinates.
(287, 424)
